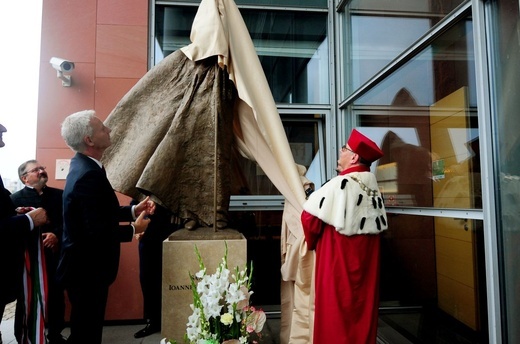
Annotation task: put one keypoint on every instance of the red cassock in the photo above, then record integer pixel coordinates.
(346, 283)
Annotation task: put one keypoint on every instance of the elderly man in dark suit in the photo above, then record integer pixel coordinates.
(91, 230)
(14, 229)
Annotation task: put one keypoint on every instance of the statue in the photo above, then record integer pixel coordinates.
(166, 132)
(192, 107)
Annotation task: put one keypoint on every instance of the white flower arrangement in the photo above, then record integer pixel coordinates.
(221, 310)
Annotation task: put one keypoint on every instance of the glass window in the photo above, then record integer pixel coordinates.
(292, 47)
(305, 139)
(293, 51)
(256, 205)
(433, 287)
(424, 118)
(506, 54)
(376, 32)
(172, 29)
(262, 229)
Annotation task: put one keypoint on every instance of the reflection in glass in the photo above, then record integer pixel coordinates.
(441, 68)
(248, 177)
(377, 32)
(262, 230)
(374, 45)
(293, 51)
(433, 277)
(292, 47)
(405, 171)
(172, 29)
(423, 118)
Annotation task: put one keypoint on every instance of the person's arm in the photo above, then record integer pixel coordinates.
(15, 225)
(98, 215)
(31, 218)
(312, 228)
(37, 216)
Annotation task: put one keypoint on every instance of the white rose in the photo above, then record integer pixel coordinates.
(226, 319)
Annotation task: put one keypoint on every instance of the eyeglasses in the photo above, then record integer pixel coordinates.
(344, 148)
(36, 169)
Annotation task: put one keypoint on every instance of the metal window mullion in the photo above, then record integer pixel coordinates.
(484, 69)
(473, 214)
(177, 3)
(331, 122)
(252, 7)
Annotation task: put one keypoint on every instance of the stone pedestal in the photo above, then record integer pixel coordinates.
(180, 259)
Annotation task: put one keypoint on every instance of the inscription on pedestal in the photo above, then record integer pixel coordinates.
(180, 259)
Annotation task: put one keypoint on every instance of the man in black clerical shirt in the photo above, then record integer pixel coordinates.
(36, 194)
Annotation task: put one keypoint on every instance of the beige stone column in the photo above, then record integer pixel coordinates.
(180, 260)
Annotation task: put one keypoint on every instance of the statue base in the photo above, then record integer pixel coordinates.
(180, 260)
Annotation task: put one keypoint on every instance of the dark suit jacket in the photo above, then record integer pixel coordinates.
(91, 230)
(50, 200)
(13, 229)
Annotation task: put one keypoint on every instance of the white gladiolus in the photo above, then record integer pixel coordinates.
(221, 306)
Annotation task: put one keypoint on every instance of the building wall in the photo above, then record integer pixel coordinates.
(108, 42)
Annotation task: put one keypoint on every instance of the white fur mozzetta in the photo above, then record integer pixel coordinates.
(351, 203)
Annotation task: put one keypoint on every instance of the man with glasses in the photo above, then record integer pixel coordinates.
(13, 229)
(341, 221)
(36, 194)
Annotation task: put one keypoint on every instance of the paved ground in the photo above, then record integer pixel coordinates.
(124, 334)
(9, 311)
(111, 334)
(7, 325)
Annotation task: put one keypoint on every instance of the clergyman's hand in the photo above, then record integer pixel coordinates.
(141, 223)
(50, 240)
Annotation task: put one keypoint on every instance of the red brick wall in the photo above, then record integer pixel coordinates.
(108, 42)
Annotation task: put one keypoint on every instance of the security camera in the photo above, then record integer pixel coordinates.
(62, 65)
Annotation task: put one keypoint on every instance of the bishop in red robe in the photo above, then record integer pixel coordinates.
(341, 221)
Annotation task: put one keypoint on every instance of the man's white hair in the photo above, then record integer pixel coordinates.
(75, 127)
